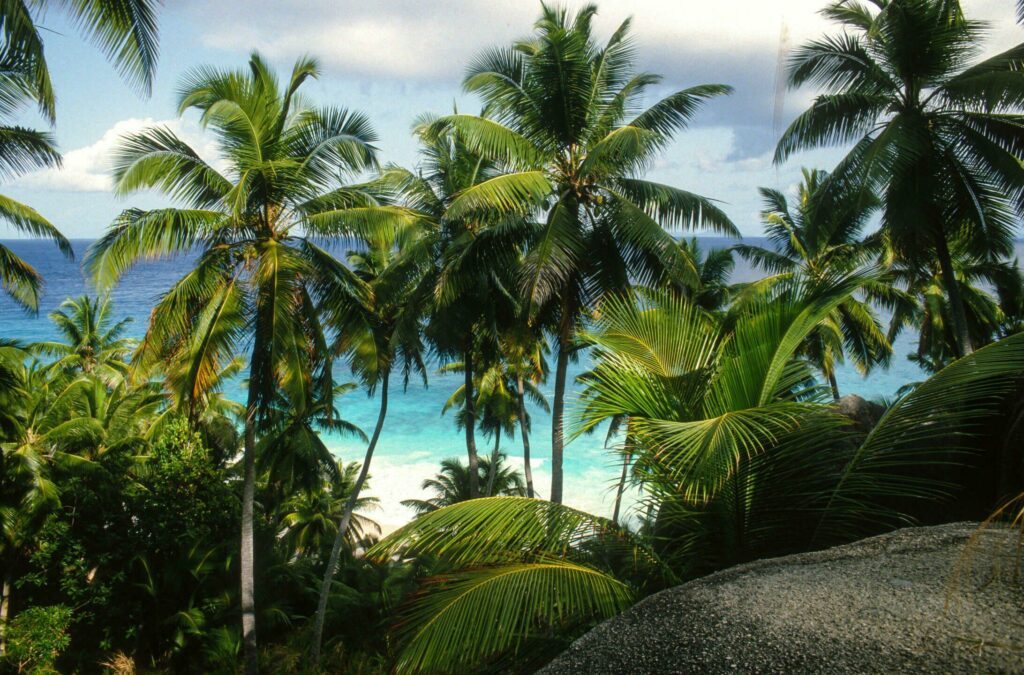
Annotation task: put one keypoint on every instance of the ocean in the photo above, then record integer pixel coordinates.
(415, 437)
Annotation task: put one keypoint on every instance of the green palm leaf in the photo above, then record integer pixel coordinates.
(443, 633)
(512, 192)
(936, 422)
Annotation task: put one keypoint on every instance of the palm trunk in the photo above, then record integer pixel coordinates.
(248, 581)
(834, 384)
(5, 608)
(627, 456)
(956, 303)
(474, 467)
(346, 518)
(520, 390)
(493, 471)
(557, 414)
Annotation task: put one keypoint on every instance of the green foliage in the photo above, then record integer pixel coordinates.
(36, 638)
(451, 484)
(738, 456)
(92, 341)
(935, 133)
(134, 491)
(522, 568)
(126, 31)
(565, 119)
(818, 238)
(991, 291)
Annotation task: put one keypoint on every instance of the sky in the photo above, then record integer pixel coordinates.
(396, 59)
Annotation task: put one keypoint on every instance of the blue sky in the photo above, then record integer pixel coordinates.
(394, 59)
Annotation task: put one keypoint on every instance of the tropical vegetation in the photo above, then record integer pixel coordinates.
(171, 495)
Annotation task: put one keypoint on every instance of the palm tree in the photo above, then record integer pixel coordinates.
(309, 518)
(27, 491)
(925, 307)
(815, 239)
(54, 424)
(523, 357)
(709, 287)
(381, 334)
(93, 341)
(500, 393)
(561, 122)
(451, 484)
(474, 255)
(23, 150)
(936, 136)
(258, 276)
(125, 30)
(290, 453)
(499, 413)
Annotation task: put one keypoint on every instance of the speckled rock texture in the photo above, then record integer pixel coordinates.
(905, 602)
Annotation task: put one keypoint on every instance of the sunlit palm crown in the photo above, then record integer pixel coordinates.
(251, 220)
(562, 114)
(92, 339)
(813, 239)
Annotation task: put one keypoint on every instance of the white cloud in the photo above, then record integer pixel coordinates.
(435, 40)
(87, 169)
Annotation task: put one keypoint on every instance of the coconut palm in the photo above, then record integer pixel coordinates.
(474, 255)
(991, 291)
(818, 237)
(935, 135)
(566, 122)
(290, 453)
(379, 335)
(92, 341)
(57, 426)
(310, 517)
(258, 277)
(22, 150)
(27, 490)
(124, 30)
(499, 412)
(709, 288)
(500, 392)
(451, 484)
(524, 352)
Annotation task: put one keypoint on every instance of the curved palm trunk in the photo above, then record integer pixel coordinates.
(527, 470)
(474, 464)
(346, 518)
(956, 303)
(248, 582)
(627, 456)
(557, 414)
(834, 384)
(493, 470)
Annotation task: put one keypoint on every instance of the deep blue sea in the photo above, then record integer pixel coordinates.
(416, 437)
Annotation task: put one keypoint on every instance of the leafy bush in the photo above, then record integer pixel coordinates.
(37, 636)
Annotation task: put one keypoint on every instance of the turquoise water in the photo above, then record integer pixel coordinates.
(416, 437)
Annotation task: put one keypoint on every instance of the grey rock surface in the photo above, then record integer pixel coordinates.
(905, 602)
(865, 414)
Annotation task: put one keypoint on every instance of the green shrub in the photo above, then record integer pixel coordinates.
(37, 636)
